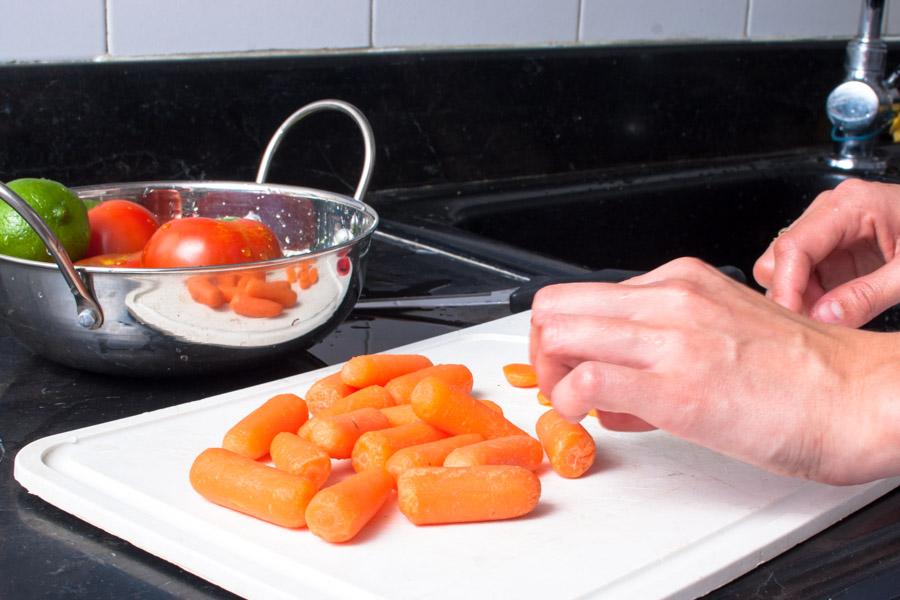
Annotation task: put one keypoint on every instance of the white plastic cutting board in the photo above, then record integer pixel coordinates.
(656, 517)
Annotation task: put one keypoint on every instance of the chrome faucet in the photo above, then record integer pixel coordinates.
(860, 107)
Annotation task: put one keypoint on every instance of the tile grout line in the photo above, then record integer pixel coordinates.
(371, 23)
(747, 19)
(578, 19)
(106, 24)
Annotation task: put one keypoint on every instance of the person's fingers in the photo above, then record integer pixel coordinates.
(614, 421)
(858, 301)
(608, 387)
(577, 298)
(587, 337)
(764, 267)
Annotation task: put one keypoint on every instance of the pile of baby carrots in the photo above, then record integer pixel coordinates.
(250, 294)
(406, 425)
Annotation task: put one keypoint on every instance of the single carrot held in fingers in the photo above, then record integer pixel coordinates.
(204, 291)
(372, 396)
(337, 513)
(401, 414)
(276, 291)
(431, 454)
(432, 495)
(245, 485)
(458, 377)
(373, 449)
(543, 400)
(337, 434)
(569, 446)
(253, 434)
(435, 403)
(520, 375)
(256, 308)
(378, 369)
(301, 457)
(326, 391)
(520, 450)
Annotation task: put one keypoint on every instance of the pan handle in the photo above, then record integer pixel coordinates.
(340, 106)
(90, 315)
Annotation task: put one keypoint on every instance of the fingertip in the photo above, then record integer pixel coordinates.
(828, 311)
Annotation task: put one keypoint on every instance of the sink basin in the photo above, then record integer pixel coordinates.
(725, 214)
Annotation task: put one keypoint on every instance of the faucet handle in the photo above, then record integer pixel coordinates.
(854, 106)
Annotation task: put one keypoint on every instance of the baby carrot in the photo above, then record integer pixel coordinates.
(373, 449)
(313, 276)
(378, 369)
(253, 434)
(301, 457)
(431, 454)
(372, 396)
(276, 291)
(337, 513)
(435, 403)
(520, 375)
(291, 274)
(458, 377)
(227, 279)
(256, 308)
(404, 413)
(430, 495)
(543, 399)
(228, 291)
(400, 414)
(204, 291)
(520, 450)
(337, 434)
(326, 391)
(251, 487)
(569, 446)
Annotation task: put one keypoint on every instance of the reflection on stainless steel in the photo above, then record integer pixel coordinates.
(150, 322)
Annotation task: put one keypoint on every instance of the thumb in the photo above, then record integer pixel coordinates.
(860, 300)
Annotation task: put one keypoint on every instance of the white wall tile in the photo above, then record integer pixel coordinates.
(33, 30)
(803, 18)
(139, 27)
(892, 20)
(617, 20)
(472, 22)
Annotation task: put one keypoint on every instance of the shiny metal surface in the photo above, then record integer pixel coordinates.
(860, 107)
(150, 323)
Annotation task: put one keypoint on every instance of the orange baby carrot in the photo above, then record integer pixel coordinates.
(520, 375)
(337, 513)
(373, 449)
(569, 446)
(400, 414)
(253, 434)
(228, 291)
(276, 291)
(313, 276)
(300, 457)
(257, 308)
(204, 291)
(378, 369)
(228, 279)
(458, 377)
(291, 274)
(251, 487)
(304, 280)
(543, 399)
(430, 495)
(246, 278)
(337, 434)
(520, 450)
(326, 391)
(435, 403)
(372, 396)
(431, 454)
(491, 404)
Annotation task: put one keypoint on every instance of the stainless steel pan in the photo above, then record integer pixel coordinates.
(145, 322)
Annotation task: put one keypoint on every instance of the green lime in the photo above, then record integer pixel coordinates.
(61, 210)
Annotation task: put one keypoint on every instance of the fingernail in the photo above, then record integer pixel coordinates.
(830, 312)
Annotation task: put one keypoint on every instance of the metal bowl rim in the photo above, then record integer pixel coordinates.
(82, 191)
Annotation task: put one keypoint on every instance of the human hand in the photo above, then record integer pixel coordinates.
(686, 349)
(840, 261)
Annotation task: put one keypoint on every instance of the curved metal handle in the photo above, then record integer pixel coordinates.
(90, 315)
(338, 105)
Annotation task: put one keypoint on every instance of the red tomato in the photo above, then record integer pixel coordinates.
(200, 241)
(119, 227)
(125, 261)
